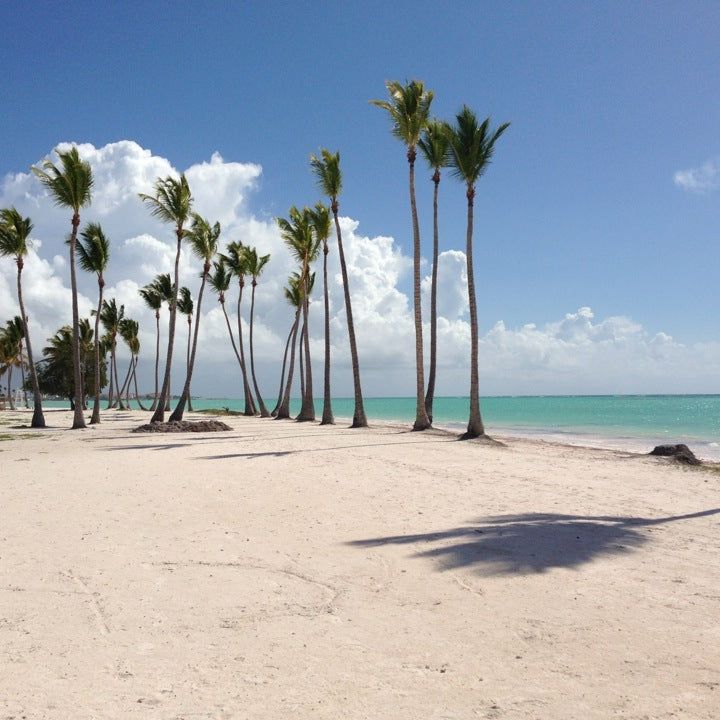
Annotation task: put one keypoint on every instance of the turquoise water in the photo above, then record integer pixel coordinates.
(635, 421)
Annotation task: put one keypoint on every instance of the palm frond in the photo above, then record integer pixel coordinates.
(69, 185)
(93, 249)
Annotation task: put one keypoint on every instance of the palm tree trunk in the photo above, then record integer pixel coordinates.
(475, 426)
(282, 374)
(157, 358)
(421, 418)
(302, 362)
(250, 408)
(283, 412)
(230, 332)
(327, 414)
(180, 408)
(307, 409)
(159, 414)
(78, 419)
(11, 400)
(137, 394)
(111, 388)
(261, 403)
(359, 418)
(430, 396)
(187, 363)
(125, 389)
(95, 419)
(118, 389)
(22, 374)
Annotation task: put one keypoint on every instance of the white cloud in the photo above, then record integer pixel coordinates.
(576, 354)
(701, 179)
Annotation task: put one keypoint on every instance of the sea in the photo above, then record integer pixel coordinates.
(631, 422)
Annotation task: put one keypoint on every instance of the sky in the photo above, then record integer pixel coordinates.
(597, 226)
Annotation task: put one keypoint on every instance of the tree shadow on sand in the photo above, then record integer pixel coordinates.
(534, 542)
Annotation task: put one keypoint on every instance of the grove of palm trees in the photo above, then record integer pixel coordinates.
(463, 145)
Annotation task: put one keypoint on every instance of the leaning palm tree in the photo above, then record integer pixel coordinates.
(295, 295)
(255, 264)
(71, 187)
(164, 287)
(93, 250)
(14, 242)
(154, 301)
(409, 110)
(320, 220)
(329, 179)
(235, 261)
(11, 339)
(111, 316)
(186, 307)
(129, 331)
(172, 203)
(471, 149)
(19, 332)
(203, 239)
(298, 234)
(219, 281)
(435, 148)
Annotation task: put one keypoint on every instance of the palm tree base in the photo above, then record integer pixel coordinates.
(328, 421)
(305, 418)
(472, 435)
(421, 425)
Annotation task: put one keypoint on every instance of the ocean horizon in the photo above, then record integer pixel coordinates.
(633, 422)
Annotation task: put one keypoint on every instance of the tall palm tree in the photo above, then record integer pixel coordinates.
(11, 339)
(298, 234)
(320, 220)
(255, 264)
(172, 203)
(235, 261)
(19, 332)
(219, 281)
(14, 242)
(409, 110)
(329, 179)
(295, 295)
(186, 307)
(93, 250)
(471, 148)
(111, 316)
(129, 331)
(153, 300)
(435, 148)
(203, 239)
(164, 287)
(71, 187)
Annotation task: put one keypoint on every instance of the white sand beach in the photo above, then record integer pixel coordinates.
(294, 571)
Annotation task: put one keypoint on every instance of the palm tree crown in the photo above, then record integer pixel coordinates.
(152, 298)
(172, 202)
(185, 302)
(409, 109)
(14, 233)
(435, 144)
(471, 145)
(93, 249)
(203, 239)
(219, 279)
(327, 173)
(70, 186)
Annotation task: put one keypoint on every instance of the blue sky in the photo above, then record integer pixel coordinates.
(607, 102)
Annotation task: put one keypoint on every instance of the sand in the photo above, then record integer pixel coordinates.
(294, 571)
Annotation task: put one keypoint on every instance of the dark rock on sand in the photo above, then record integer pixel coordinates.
(183, 426)
(681, 453)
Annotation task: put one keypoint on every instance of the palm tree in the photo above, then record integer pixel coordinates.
(111, 316)
(298, 234)
(14, 242)
(172, 203)
(219, 281)
(11, 340)
(236, 262)
(471, 149)
(129, 332)
(153, 300)
(203, 239)
(19, 333)
(186, 307)
(320, 220)
(93, 254)
(295, 295)
(409, 110)
(165, 288)
(71, 187)
(255, 264)
(435, 148)
(329, 179)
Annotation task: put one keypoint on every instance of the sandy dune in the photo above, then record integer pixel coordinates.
(291, 571)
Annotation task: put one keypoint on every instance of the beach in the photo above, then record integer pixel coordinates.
(286, 570)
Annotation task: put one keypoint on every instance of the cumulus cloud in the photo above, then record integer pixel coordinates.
(701, 179)
(575, 354)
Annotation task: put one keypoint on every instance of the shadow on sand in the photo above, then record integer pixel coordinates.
(534, 542)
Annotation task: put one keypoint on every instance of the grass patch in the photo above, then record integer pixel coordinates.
(219, 411)
(19, 436)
